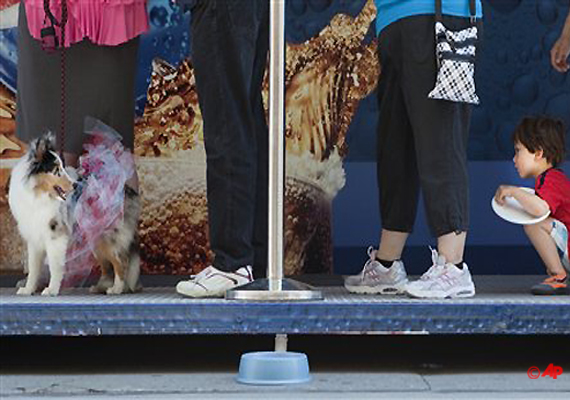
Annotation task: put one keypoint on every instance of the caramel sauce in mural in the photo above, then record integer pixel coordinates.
(326, 77)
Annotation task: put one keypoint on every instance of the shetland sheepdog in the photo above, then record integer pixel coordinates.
(39, 187)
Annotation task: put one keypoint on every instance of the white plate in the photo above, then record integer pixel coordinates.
(512, 211)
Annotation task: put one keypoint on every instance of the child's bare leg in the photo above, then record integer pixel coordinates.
(539, 235)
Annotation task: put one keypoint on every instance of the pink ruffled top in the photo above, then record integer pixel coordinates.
(103, 22)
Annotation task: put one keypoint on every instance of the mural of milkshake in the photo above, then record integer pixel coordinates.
(325, 79)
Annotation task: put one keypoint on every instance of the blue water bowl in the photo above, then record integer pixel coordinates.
(273, 368)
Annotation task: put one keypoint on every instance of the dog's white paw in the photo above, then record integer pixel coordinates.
(113, 290)
(116, 289)
(96, 289)
(24, 291)
(50, 292)
(102, 286)
(99, 289)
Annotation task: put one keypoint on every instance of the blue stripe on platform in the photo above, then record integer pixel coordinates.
(161, 311)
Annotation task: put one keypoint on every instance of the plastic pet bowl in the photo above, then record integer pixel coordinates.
(273, 368)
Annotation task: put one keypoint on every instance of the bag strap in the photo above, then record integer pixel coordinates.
(439, 14)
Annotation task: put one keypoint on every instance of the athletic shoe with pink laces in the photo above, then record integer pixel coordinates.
(377, 279)
(442, 280)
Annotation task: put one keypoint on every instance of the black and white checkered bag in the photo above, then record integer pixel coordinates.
(455, 53)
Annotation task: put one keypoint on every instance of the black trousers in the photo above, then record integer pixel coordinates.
(230, 40)
(422, 143)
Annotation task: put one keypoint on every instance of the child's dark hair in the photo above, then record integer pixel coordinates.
(542, 133)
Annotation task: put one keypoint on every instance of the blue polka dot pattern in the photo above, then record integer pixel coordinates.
(514, 77)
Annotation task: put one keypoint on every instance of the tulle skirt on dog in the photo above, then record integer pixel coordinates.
(97, 203)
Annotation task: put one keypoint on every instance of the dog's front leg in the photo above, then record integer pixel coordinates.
(22, 282)
(106, 279)
(35, 260)
(119, 268)
(56, 252)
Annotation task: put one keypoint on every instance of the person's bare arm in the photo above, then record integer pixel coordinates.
(531, 203)
(561, 49)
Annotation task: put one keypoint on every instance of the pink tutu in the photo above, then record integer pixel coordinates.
(98, 200)
(103, 22)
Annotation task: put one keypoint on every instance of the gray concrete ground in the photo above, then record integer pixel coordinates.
(325, 385)
(342, 367)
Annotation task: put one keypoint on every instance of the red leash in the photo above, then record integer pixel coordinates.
(50, 45)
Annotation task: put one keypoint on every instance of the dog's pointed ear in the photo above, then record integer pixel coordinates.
(42, 145)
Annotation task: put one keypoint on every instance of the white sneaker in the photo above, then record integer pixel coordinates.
(442, 280)
(377, 279)
(212, 282)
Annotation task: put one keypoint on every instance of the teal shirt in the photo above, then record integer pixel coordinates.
(390, 11)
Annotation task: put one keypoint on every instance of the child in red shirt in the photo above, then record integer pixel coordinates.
(539, 149)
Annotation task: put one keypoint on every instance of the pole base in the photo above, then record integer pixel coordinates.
(260, 289)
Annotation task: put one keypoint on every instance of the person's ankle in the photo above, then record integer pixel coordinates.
(385, 263)
(455, 260)
(561, 274)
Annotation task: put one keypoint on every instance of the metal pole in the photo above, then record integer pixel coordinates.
(275, 287)
(276, 143)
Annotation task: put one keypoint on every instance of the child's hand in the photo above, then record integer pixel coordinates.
(503, 192)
